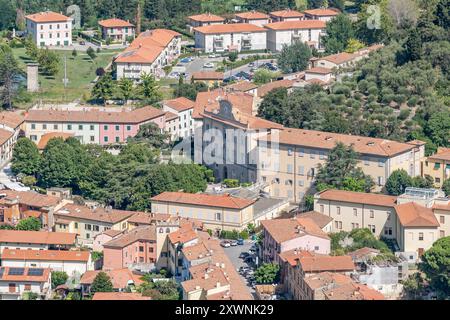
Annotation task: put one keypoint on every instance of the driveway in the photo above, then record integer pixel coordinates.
(233, 254)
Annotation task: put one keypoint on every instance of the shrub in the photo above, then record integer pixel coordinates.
(231, 183)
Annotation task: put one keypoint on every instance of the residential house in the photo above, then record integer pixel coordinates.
(148, 54)
(141, 219)
(285, 33)
(184, 237)
(10, 129)
(104, 237)
(36, 240)
(48, 29)
(323, 221)
(322, 14)
(14, 282)
(121, 280)
(17, 205)
(263, 90)
(70, 262)
(286, 15)
(319, 73)
(212, 79)
(230, 37)
(289, 159)
(135, 249)
(89, 222)
(253, 17)
(352, 291)
(301, 233)
(437, 166)
(91, 125)
(204, 19)
(183, 108)
(243, 86)
(117, 30)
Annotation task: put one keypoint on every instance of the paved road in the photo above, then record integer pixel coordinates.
(233, 254)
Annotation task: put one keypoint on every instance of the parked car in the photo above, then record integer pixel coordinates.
(244, 255)
(248, 259)
(82, 43)
(233, 243)
(213, 55)
(225, 244)
(251, 64)
(229, 79)
(208, 65)
(240, 242)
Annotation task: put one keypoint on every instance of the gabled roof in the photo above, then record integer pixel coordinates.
(112, 216)
(412, 214)
(115, 23)
(183, 235)
(283, 230)
(320, 219)
(288, 13)
(5, 135)
(207, 75)
(120, 278)
(180, 104)
(148, 218)
(115, 296)
(11, 119)
(45, 255)
(295, 25)
(37, 237)
(321, 263)
(441, 154)
(229, 28)
(252, 15)
(208, 200)
(327, 140)
(319, 70)
(28, 198)
(243, 86)
(48, 16)
(322, 12)
(25, 276)
(266, 88)
(147, 233)
(206, 17)
(358, 197)
(353, 291)
(340, 58)
(45, 138)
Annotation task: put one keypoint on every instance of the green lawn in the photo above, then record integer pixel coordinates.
(80, 71)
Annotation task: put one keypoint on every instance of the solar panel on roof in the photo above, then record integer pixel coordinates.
(35, 272)
(16, 271)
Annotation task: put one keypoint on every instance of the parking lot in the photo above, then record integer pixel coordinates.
(233, 254)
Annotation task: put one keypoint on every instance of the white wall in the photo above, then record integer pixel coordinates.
(50, 34)
(85, 132)
(68, 267)
(206, 41)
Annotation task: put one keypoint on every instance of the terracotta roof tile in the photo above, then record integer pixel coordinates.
(144, 218)
(207, 75)
(5, 276)
(48, 16)
(112, 216)
(5, 135)
(242, 86)
(295, 25)
(340, 58)
(119, 277)
(180, 104)
(319, 263)
(29, 198)
(441, 154)
(48, 136)
(320, 219)
(412, 214)
(114, 296)
(266, 88)
(225, 201)
(358, 197)
(353, 291)
(252, 15)
(229, 28)
(206, 17)
(325, 279)
(11, 119)
(283, 230)
(147, 233)
(45, 255)
(115, 23)
(319, 70)
(288, 13)
(322, 12)
(37, 237)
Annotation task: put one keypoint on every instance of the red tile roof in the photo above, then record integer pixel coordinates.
(252, 15)
(352, 291)
(412, 214)
(324, 279)
(442, 154)
(183, 235)
(327, 140)
(208, 200)
(319, 70)
(48, 16)
(229, 28)
(143, 218)
(288, 13)
(266, 88)
(5, 135)
(147, 233)
(180, 104)
(322, 12)
(115, 23)
(358, 197)
(340, 58)
(11, 119)
(283, 230)
(48, 136)
(5, 276)
(294, 25)
(28, 198)
(207, 75)
(114, 296)
(320, 219)
(112, 216)
(45, 255)
(206, 17)
(37, 237)
(120, 278)
(321, 263)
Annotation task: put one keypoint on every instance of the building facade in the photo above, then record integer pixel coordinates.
(117, 30)
(49, 29)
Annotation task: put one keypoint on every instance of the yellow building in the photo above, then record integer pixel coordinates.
(438, 166)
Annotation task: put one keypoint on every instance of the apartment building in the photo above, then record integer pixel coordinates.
(135, 249)
(204, 19)
(106, 236)
(297, 267)
(230, 37)
(10, 129)
(91, 125)
(70, 262)
(148, 54)
(437, 166)
(183, 109)
(229, 139)
(184, 237)
(321, 14)
(289, 167)
(117, 30)
(14, 282)
(286, 15)
(87, 222)
(49, 29)
(36, 240)
(17, 205)
(217, 212)
(284, 33)
(253, 17)
(301, 233)
(415, 219)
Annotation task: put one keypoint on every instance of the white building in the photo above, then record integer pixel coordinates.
(14, 282)
(253, 17)
(183, 108)
(319, 73)
(49, 29)
(35, 240)
(149, 53)
(70, 262)
(285, 33)
(10, 127)
(321, 14)
(230, 37)
(204, 19)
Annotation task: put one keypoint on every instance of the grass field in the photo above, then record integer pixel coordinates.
(80, 71)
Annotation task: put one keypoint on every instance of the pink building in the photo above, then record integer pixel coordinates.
(281, 235)
(104, 237)
(137, 247)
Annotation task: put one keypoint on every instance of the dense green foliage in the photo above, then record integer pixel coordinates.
(58, 278)
(339, 32)
(164, 289)
(126, 181)
(102, 283)
(26, 158)
(294, 58)
(267, 273)
(344, 242)
(436, 266)
(341, 172)
(399, 180)
(9, 72)
(29, 224)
